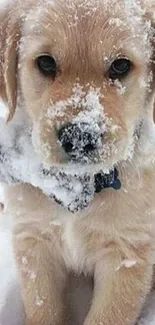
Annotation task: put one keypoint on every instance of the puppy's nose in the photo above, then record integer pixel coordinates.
(77, 139)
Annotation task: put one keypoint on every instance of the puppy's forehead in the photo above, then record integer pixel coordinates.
(86, 13)
(93, 24)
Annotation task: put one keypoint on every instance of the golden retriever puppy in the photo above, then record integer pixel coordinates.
(84, 74)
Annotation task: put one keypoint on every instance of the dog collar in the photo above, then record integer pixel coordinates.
(99, 182)
(73, 192)
(102, 181)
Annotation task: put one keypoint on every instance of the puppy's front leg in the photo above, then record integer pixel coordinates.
(42, 274)
(119, 291)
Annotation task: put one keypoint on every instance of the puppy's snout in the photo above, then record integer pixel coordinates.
(77, 139)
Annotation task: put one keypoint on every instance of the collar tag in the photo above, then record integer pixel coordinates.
(102, 181)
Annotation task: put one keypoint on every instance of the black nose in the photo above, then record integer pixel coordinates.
(77, 139)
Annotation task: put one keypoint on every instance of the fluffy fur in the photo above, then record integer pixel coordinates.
(112, 240)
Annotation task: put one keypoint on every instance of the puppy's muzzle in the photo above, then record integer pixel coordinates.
(78, 140)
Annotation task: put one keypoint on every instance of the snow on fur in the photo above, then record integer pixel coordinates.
(20, 163)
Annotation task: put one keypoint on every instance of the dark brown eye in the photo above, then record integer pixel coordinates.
(119, 69)
(47, 65)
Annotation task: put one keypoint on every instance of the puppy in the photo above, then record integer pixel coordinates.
(84, 74)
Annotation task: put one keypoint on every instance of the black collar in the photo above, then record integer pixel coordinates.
(90, 186)
(102, 181)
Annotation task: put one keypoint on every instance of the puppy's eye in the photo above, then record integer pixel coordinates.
(47, 65)
(119, 69)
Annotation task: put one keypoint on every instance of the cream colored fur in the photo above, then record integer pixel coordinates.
(112, 240)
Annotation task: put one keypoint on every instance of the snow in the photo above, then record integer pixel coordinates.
(3, 111)
(127, 263)
(120, 89)
(39, 301)
(3, 3)
(11, 308)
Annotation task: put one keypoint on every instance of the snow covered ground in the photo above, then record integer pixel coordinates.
(11, 312)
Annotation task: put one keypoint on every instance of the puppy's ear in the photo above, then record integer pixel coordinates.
(9, 37)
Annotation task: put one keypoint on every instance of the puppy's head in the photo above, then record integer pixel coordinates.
(84, 71)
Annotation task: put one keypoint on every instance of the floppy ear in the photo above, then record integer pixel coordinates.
(9, 36)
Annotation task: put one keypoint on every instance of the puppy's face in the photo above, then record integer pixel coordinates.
(85, 78)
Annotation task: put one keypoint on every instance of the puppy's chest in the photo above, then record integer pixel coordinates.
(73, 248)
(111, 221)
(79, 247)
